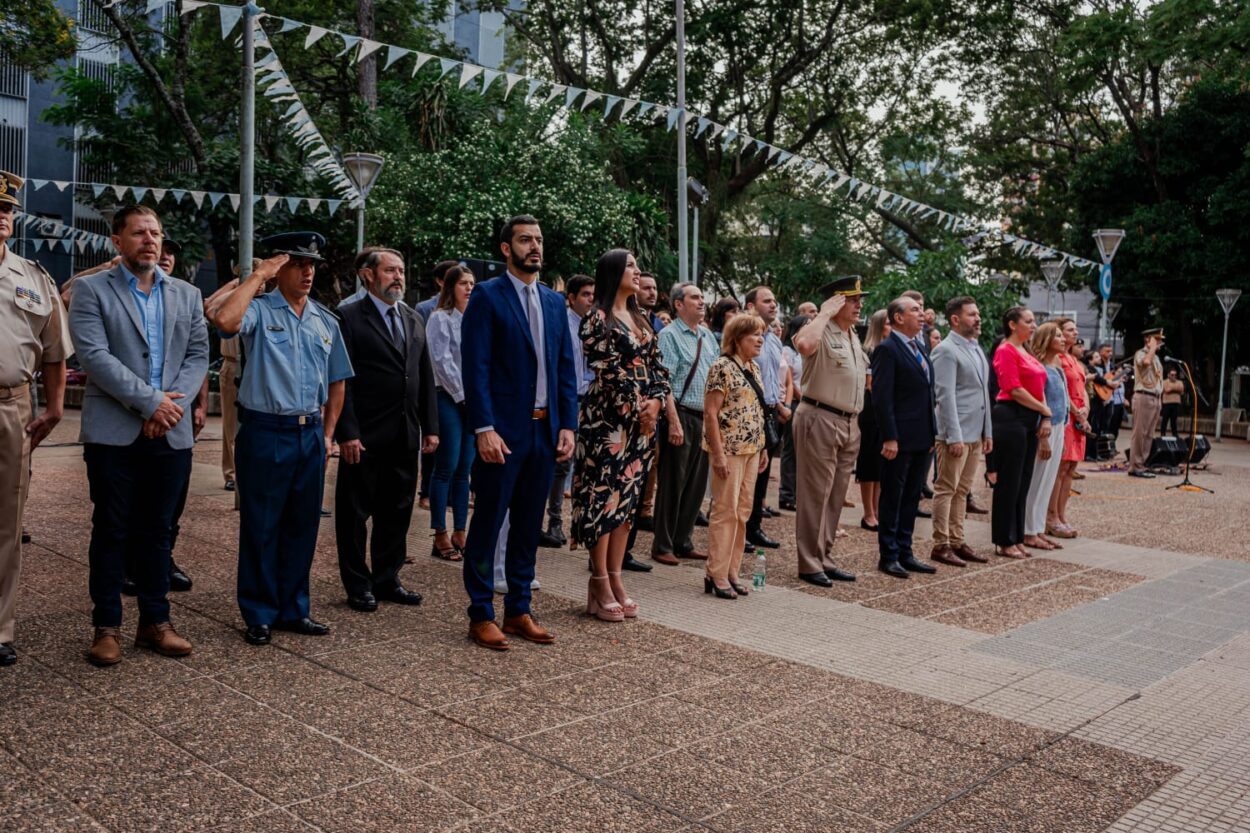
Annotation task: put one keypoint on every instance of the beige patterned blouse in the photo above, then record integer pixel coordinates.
(741, 416)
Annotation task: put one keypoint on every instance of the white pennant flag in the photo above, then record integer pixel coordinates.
(36, 184)
(82, 244)
(590, 98)
(555, 91)
(881, 198)
(120, 191)
(270, 202)
(229, 17)
(512, 82)
(235, 200)
(467, 73)
(422, 58)
(197, 197)
(367, 48)
(153, 5)
(393, 54)
(488, 78)
(60, 184)
(189, 6)
(315, 33)
(630, 103)
(313, 204)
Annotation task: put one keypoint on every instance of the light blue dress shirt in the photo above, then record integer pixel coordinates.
(442, 337)
(523, 291)
(912, 348)
(152, 315)
(769, 363)
(584, 376)
(426, 308)
(289, 362)
(384, 310)
(678, 346)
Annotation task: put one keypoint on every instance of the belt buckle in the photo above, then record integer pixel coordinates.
(303, 419)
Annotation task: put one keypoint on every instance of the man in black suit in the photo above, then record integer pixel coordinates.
(902, 399)
(388, 406)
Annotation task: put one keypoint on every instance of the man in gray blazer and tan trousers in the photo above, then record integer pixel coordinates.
(141, 338)
(961, 376)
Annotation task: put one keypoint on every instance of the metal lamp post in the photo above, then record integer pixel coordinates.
(1113, 309)
(1228, 298)
(363, 168)
(1108, 240)
(682, 251)
(698, 195)
(1053, 271)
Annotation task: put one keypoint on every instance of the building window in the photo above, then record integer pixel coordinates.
(12, 79)
(93, 18)
(13, 148)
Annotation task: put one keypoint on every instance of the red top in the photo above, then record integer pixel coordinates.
(1075, 375)
(1018, 369)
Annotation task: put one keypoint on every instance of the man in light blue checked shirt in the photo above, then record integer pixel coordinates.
(687, 349)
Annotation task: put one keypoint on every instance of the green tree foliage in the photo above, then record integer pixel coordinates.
(34, 35)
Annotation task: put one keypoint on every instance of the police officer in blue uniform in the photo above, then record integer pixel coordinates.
(290, 396)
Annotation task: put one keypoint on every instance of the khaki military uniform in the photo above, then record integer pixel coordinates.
(826, 442)
(227, 386)
(33, 332)
(1147, 390)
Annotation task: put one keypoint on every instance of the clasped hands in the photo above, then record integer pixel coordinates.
(165, 417)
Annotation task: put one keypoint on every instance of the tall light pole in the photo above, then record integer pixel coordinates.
(1108, 240)
(363, 168)
(1228, 298)
(247, 144)
(1053, 271)
(1113, 309)
(682, 248)
(698, 195)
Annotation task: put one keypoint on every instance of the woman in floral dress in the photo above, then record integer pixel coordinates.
(616, 429)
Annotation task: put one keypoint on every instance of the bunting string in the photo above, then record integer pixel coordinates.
(53, 234)
(815, 174)
(185, 196)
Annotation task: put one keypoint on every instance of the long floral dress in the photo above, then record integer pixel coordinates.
(613, 454)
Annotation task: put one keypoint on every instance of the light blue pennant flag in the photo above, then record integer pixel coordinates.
(333, 206)
(609, 104)
(139, 193)
(292, 204)
(349, 43)
(179, 194)
(229, 17)
(447, 65)
(215, 197)
(488, 78)
(393, 54)
(672, 117)
(288, 25)
(535, 84)
(571, 95)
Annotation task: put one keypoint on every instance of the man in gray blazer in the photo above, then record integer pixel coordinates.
(961, 376)
(142, 341)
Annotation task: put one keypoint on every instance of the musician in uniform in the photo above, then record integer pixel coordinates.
(295, 368)
(33, 337)
(1147, 402)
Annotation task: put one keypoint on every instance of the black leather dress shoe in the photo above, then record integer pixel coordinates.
(911, 565)
(257, 635)
(839, 575)
(700, 520)
(304, 626)
(1141, 473)
(129, 588)
(863, 524)
(26, 536)
(818, 579)
(892, 568)
(756, 537)
(788, 505)
(769, 512)
(229, 487)
(365, 602)
(631, 563)
(400, 596)
(926, 493)
(325, 513)
(7, 655)
(550, 540)
(179, 581)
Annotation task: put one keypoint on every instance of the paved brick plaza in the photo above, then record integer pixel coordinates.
(1104, 687)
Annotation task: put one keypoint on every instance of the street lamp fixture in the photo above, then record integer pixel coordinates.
(697, 194)
(1053, 271)
(1108, 240)
(1228, 299)
(363, 170)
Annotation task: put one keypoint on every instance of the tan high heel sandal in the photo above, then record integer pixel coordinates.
(629, 607)
(608, 613)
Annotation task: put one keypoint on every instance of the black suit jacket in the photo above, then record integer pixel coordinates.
(902, 397)
(390, 402)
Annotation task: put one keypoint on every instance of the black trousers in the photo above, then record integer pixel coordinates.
(789, 466)
(134, 489)
(1171, 411)
(1015, 452)
(761, 486)
(902, 482)
(682, 480)
(382, 486)
(174, 528)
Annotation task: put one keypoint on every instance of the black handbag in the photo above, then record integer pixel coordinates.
(772, 428)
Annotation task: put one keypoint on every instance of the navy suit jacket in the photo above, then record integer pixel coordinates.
(902, 397)
(499, 366)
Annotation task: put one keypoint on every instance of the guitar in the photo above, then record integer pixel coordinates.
(1104, 391)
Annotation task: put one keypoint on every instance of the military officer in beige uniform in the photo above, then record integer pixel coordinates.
(229, 387)
(1147, 390)
(33, 336)
(826, 432)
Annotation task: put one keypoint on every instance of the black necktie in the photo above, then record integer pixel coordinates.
(397, 332)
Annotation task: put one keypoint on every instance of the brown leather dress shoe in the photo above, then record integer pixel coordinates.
(525, 627)
(967, 553)
(106, 648)
(488, 635)
(693, 555)
(163, 639)
(665, 558)
(943, 554)
(975, 508)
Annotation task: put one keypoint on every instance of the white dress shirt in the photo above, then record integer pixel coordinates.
(442, 338)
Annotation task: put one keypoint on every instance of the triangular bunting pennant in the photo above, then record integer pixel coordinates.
(447, 65)
(534, 86)
(313, 204)
(270, 202)
(513, 78)
(349, 43)
(189, 6)
(467, 73)
(703, 124)
(590, 98)
(555, 91)
(609, 104)
(422, 60)
(292, 204)
(315, 33)
(60, 184)
(630, 103)
(333, 206)
(120, 191)
(488, 78)
(215, 197)
(139, 193)
(235, 201)
(36, 184)
(393, 54)
(229, 17)
(153, 5)
(82, 244)
(644, 107)
(288, 25)
(367, 48)
(673, 115)
(571, 95)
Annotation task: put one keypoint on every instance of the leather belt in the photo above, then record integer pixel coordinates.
(279, 420)
(1148, 393)
(540, 413)
(9, 392)
(809, 401)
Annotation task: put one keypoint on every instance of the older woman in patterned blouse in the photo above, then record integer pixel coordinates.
(733, 436)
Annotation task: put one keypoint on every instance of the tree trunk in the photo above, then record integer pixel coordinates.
(367, 70)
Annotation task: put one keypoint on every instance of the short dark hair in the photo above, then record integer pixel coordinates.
(375, 255)
(896, 307)
(647, 275)
(956, 305)
(505, 233)
(577, 283)
(124, 214)
(754, 293)
(362, 256)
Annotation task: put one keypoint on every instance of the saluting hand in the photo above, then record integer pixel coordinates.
(833, 304)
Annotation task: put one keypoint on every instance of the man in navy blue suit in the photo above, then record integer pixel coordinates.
(521, 391)
(902, 399)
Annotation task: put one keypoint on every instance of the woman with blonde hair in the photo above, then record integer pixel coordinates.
(733, 436)
(868, 463)
(1048, 345)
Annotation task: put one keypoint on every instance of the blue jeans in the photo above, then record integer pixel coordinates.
(457, 446)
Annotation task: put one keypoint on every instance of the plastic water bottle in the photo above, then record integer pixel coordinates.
(761, 570)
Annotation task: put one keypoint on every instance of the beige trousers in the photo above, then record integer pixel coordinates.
(950, 492)
(1146, 409)
(825, 447)
(229, 416)
(732, 498)
(14, 485)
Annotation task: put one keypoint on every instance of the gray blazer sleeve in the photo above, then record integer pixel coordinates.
(945, 375)
(194, 365)
(86, 327)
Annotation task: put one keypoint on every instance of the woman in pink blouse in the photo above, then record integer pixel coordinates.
(1018, 428)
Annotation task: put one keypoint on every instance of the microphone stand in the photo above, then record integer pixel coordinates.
(1186, 485)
